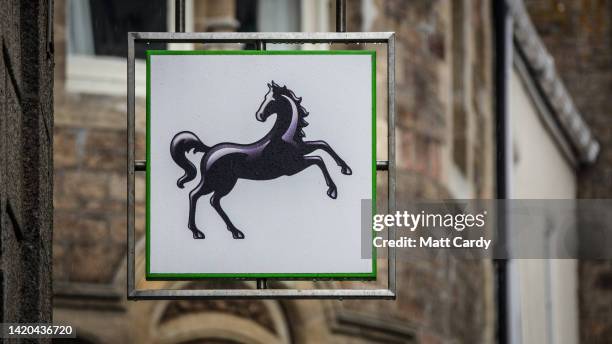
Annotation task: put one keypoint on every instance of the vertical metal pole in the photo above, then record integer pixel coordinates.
(391, 173)
(131, 222)
(508, 304)
(340, 15)
(262, 283)
(179, 15)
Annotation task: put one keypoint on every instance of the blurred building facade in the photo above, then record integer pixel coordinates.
(446, 149)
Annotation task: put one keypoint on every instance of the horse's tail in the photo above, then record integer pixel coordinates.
(182, 143)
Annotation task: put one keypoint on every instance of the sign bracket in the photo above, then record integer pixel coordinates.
(260, 40)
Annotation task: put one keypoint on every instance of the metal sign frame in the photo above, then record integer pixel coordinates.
(259, 39)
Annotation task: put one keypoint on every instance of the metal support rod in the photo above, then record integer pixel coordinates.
(275, 294)
(262, 283)
(340, 15)
(382, 165)
(179, 15)
(268, 37)
(391, 174)
(131, 137)
(140, 165)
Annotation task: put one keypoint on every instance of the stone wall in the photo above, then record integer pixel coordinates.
(26, 130)
(442, 298)
(578, 34)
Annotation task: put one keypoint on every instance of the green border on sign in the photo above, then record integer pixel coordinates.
(189, 276)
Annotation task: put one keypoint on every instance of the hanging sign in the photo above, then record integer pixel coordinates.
(258, 162)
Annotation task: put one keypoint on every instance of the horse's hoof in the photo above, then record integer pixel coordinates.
(197, 234)
(236, 234)
(346, 170)
(332, 193)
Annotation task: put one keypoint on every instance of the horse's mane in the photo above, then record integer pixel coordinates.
(302, 112)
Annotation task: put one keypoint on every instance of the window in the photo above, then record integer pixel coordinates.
(97, 42)
(278, 15)
(99, 27)
(269, 16)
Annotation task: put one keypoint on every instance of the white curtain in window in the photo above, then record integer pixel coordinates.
(80, 33)
(278, 15)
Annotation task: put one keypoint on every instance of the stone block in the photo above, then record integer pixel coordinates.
(85, 185)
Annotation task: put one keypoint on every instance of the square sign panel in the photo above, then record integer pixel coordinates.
(258, 162)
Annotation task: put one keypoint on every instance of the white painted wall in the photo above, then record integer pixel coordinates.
(548, 288)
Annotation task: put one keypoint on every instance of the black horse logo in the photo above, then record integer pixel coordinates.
(282, 152)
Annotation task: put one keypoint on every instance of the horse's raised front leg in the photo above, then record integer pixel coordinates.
(215, 201)
(194, 195)
(311, 146)
(332, 192)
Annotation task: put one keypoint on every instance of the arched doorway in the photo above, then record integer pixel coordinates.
(220, 321)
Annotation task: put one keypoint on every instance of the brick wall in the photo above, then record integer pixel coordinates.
(578, 34)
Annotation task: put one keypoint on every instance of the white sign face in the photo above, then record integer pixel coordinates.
(258, 162)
